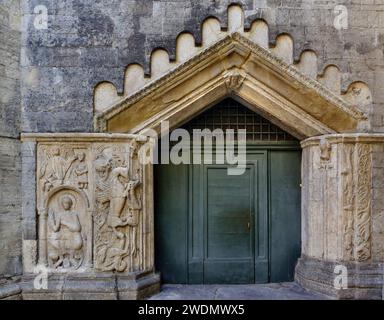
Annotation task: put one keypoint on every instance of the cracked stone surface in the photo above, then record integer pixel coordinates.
(270, 291)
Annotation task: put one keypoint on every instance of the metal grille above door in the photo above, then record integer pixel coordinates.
(230, 114)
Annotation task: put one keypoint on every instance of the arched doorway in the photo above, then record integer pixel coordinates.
(211, 227)
(327, 124)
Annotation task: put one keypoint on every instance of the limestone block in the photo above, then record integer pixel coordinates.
(358, 94)
(308, 64)
(185, 47)
(259, 34)
(134, 79)
(342, 218)
(105, 95)
(93, 213)
(159, 63)
(29, 255)
(235, 19)
(10, 291)
(211, 31)
(364, 281)
(28, 186)
(339, 214)
(92, 286)
(10, 207)
(284, 48)
(331, 78)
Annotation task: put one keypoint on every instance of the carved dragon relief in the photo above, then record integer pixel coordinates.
(118, 200)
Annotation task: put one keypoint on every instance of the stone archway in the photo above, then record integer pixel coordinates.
(216, 227)
(236, 67)
(337, 172)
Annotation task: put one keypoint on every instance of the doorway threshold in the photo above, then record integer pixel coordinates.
(269, 291)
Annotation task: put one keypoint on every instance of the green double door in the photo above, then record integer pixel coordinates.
(212, 227)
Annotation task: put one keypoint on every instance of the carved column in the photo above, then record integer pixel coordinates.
(339, 215)
(42, 223)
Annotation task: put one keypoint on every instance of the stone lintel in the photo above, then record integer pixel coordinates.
(345, 138)
(80, 137)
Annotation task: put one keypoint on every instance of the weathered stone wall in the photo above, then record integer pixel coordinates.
(10, 207)
(87, 42)
(10, 162)
(9, 68)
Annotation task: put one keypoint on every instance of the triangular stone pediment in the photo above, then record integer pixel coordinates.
(237, 67)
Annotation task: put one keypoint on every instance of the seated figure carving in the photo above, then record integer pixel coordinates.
(65, 238)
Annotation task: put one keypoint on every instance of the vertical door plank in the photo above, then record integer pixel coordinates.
(285, 198)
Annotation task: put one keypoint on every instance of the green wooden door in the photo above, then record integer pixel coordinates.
(228, 229)
(214, 228)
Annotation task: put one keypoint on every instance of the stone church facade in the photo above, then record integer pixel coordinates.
(85, 87)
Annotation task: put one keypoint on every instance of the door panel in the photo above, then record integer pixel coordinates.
(285, 199)
(228, 272)
(171, 213)
(229, 213)
(229, 254)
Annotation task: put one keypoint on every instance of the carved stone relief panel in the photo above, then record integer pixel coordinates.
(63, 198)
(325, 154)
(68, 229)
(90, 203)
(118, 208)
(356, 179)
(363, 202)
(348, 199)
(341, 180)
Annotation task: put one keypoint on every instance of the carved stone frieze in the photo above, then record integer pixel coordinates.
(356, 180)
(363, 203)
(348, 200)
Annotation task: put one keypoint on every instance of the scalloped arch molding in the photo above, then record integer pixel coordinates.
(239, 63)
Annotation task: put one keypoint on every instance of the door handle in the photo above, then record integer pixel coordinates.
(249, 225)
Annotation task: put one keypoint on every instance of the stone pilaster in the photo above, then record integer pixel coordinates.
(93, 212)
(340, 182)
